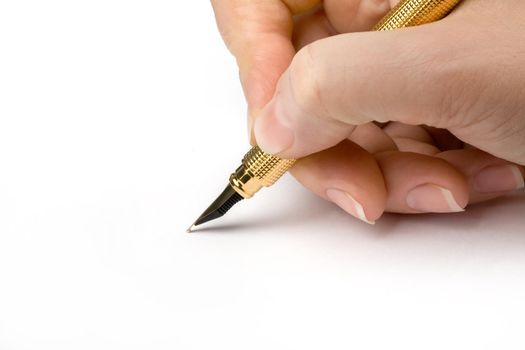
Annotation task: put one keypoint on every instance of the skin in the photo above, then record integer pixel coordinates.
(379, 114)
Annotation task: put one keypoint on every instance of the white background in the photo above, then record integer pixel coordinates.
(119, 122)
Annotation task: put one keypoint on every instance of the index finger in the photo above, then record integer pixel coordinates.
(258, 33)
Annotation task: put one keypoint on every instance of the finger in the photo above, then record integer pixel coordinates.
(411, 138)
(419, 183)
(348, 176)
(488, 177)
(421, 138)
(356, 16)
(414, 132)
(311, 27)
(411, 145)
(372, 138)
(258, 33)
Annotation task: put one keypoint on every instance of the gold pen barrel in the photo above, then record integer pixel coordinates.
(260, 169)
(411, 13)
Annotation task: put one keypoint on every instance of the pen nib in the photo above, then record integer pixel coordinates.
(226, 200)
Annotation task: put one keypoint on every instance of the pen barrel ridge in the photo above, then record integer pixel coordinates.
(267, 168)
(411, 13)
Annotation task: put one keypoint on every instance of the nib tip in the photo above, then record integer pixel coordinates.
(227, 199)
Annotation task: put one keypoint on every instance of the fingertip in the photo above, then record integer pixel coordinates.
(431, 198)
(272, 134)
(348, 176)
(422, 184)
(488, 176)
(348, 203)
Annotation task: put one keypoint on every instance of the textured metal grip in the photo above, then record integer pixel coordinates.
(262, 169)
(415, 12)
(258, 169)
(266, 167)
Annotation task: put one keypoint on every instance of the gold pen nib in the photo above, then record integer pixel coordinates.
(226, 200)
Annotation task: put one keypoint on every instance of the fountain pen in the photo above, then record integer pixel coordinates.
(260, 169)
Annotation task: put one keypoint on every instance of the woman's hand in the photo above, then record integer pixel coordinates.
(453, 92)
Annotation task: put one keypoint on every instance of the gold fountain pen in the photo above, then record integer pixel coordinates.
(260, 169)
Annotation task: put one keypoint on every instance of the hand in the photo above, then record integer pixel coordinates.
(462, 77)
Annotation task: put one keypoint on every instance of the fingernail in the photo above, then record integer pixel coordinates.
(500, 178)
(348, 204)
(272, 133)
(252, 113)
(432, 198)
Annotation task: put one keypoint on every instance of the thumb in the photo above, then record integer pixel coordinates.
(334, 84)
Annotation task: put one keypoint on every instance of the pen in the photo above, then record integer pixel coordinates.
(259, 169)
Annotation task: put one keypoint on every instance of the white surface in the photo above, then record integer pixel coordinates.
(119, 122)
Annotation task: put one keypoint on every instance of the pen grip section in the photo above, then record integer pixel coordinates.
(258, 169)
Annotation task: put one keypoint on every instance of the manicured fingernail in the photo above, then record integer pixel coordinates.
(499, 178)
(431, 198)
(348, 204)
(271, 130)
